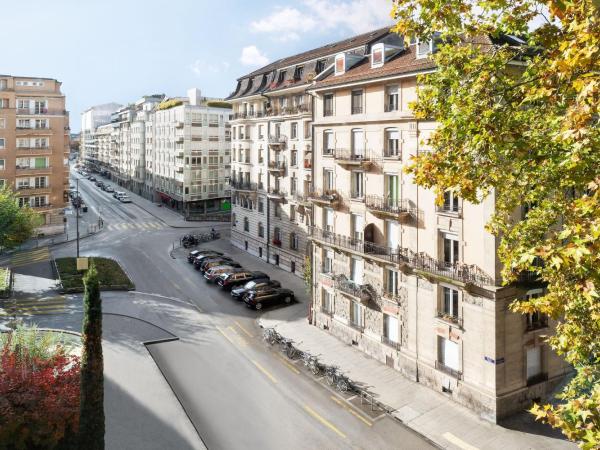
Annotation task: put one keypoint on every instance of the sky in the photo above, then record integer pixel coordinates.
(118, 50)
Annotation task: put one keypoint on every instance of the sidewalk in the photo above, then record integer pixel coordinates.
(428, 412)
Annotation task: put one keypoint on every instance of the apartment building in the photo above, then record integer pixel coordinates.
(271, 151)
(34, 145)
(411, 283)
(91, 119)
(190, 154)
(170, 150)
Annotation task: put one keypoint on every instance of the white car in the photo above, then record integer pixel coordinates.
(118, 194)
(124, 199)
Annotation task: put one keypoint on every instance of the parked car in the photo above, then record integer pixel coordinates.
(99, 183)
(124, 199)
(118, 194)
(199, 253)
(92, 178)
(203, 256)
(229, 281)
(217, 262)
(258, 299)
(214, 272)
(239, 292)
(108, 188)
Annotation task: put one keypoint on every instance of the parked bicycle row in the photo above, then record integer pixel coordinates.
(333, 375)
(255, 289)
(191, 240)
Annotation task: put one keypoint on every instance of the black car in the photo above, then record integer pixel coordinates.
(229, 281)
(239, 292)
(210, 262)
(99, 183)
(203, 256)
(258, 299)
(92, 178)
(192, 255)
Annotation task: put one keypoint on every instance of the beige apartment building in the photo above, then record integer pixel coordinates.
(34, 145)
(414, 284)
(271, 151)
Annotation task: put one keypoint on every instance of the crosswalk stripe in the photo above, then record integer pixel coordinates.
(29, 257)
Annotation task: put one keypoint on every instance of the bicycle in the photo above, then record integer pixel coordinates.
(271, 336)
(312, 363)
(288, 348)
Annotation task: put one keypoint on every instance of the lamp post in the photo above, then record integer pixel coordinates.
(77, 206)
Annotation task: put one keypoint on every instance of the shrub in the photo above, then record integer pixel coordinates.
(219, 104)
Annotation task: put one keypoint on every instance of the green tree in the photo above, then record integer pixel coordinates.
(16, 224)
(91, 418)
(521, 122)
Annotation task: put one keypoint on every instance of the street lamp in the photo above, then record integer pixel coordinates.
(77, 204)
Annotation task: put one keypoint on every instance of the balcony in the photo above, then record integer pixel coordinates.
(276, 194)
(41, 112)
(31, 130)
(451, 319)
(448, 370)
(302, 199)
(33, 190)
(388, 206)
(33, 151)
(390, 107)
(357, 110)
(392, 153)
(277, 167)
(21, 170)
(243, 186)
(360, 292)
(179, 124)
(453, 210)
(179, 139)
(328, 197)
(348, 157)
(277, 142)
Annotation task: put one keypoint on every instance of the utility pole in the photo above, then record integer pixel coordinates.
(77, 206)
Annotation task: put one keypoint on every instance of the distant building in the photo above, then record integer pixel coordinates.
(91, 119)
(34, 145)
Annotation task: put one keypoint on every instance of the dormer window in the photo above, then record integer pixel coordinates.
(320, 67)
(281, 76)
(340, 64)
(298, 72)
(425, 48)
(377, 55)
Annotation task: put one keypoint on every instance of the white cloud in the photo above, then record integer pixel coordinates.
(252, 56)
(356, 16)
(199, 67)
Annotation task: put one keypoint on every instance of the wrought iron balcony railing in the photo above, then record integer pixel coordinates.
(387, 205)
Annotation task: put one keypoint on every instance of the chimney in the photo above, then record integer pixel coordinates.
(195, 96)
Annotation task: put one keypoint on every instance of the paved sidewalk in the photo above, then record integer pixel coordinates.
(428, 412)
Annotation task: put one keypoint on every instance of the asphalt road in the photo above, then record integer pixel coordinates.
(238, 392)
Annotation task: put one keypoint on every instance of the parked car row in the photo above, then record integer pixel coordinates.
(119, 195)
(255, 289)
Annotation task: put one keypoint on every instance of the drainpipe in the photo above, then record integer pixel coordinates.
(268, 182)
(417, 293)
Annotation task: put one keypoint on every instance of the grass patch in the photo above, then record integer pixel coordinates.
(110, 275)
(4, 280)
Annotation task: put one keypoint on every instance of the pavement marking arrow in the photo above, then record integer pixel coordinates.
(324, 421)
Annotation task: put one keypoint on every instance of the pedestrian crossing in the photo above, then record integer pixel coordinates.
(32, 306)
(29, 257)
(138, 226)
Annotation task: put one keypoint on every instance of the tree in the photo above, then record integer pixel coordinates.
(39, 391)
(91, 419)
(519, 119)
(16, 224)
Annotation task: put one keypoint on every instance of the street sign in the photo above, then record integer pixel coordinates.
(82, 263)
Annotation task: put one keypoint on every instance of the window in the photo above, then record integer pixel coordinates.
(358, 143)
(261, 206)
(392, 139)
(294, 130)
(451, 252)
(2, 84)
(2, 123)
(2, 142)
(357, 102)
(3, 103)
(328, 179)
(357, 191)
(328, 142)
(298, 72)
(536, 319)
(327, 261)
(390, 329)
(281, 77)
(293, 185)
(377, 55)
(276, 235)
(356, 315)
(392, 233)
(2, 183)
(534, 365)
(358, 224)
(450, 202)
(326, 302)
(328, 105)
(294, 241)
(391, 98)
(450, 306)
(391, 282)
(294, 157)
(261, 230)
(1, 164)
(356, 270)
(424, 48)
(448, 355)
(246, 224)
(233, 220)
(277, 211)
(320, 67)
(328, 219)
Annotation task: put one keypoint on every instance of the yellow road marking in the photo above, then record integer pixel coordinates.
(324, 421)
(351, 411)
(458, 442)
(225, 335)
(241, 339)
(243, 329)
(265, 371)
(287, 364)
